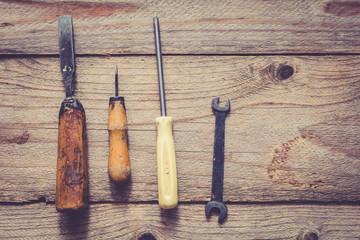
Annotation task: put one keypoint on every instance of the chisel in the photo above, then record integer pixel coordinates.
(166, 162)
(119, 162)
(72, 167)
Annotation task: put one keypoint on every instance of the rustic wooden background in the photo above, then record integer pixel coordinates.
(292, 151)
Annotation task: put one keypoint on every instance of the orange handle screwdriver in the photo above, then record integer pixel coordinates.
(119, 162)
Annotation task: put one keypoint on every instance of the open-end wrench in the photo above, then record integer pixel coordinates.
(218, 160)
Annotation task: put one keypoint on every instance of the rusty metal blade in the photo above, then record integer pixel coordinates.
(66, 48)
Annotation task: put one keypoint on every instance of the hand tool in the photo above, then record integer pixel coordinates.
(166, 162)
(72, 167)
(218, 160)
(119, 162)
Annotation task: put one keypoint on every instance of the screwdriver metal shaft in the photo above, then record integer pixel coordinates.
(159, 66)
(116, 82)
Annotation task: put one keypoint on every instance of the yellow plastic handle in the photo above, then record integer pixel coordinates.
(166, 164)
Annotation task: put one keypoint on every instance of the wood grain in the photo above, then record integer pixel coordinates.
(131, 221)
(188, 27)
(286, 140)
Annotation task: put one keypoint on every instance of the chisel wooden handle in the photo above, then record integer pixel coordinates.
(119, 162)
(167, 176)
(72, 166)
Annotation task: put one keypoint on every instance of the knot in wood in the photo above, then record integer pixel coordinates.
(311, 236)
(147, 236)
(285, 72)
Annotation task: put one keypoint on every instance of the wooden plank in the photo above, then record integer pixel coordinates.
(286, 140)
(187, 221)
(189, 27)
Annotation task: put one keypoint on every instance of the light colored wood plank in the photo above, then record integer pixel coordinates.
(294, 139)
(131, 221)
(188, 27)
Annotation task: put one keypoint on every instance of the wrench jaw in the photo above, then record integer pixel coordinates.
(217, 108)
(219, 205)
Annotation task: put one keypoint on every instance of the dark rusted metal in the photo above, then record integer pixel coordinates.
(66, 48)
(216, 200)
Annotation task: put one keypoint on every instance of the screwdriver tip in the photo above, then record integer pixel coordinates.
(156, 19)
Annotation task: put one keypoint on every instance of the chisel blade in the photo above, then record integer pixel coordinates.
(66, 48)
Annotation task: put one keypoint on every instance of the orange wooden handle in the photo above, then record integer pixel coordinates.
(72, 166)
(119, 162)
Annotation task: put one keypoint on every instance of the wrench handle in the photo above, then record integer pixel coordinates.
(166, 164)
(218, 157)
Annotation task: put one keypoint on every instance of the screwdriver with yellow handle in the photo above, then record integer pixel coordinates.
(166, 162)
(119, 162)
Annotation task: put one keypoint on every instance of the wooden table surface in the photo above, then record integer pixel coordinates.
(292, 145)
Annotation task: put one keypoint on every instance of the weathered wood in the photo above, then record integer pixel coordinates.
(291, 139)
(187, 221)
(188, 27)
(72, 164)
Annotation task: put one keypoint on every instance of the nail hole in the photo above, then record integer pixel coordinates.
(285, 72)
(311, 236)
(42, 199)
(147, 236)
